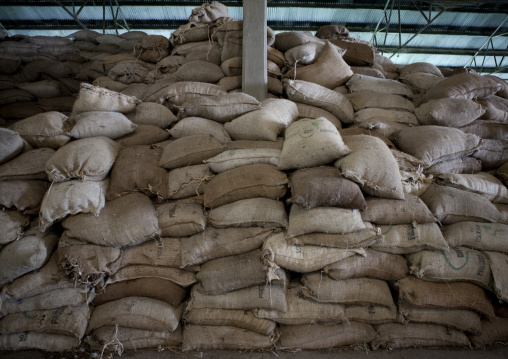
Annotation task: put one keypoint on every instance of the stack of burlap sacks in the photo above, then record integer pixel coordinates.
(187, 220)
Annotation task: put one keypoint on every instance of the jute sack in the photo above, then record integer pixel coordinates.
(360, 83)
(455, 295)
(301, 310)
(324, 186)
(492, 153)
(504, 87)
(215, 243)
(502, 173)
(409, 210)
(458, 264)
(231, 159)
(152, 48)
(276, 56)
(11, 144)
(316, 95)
(259, 212)
(208, 12)
(148, 113)
(263, 296)
(358, 52)
(155, 91)
(137, 313)
(144, 135)
(230, 317)
(180, 219)
(61, 104)
(410, 238)
(109, 84)
(101, 123)
(199, 71)
(44, 88)
(493, 330)
(303, 259)
(198, 126)
(231, 273)
(482, 183)
(373, 116)
(183, 278)
(114, 227)
(372, 165)
(48, 129)
(13, 224)
(25, 255)
(395, 336)
(264, 124)
(357, 239)
(72, 197)
(433, 144)
(420, 82)
(458, 165)
(170, 64)
(202, 337)
(245, 144)
(372, 264)
(85, 159)
(477, 235)
(188, 181)
(451, 112)
(190, 32)
(189, 150)
(368, 71)
(148, 287)
(328, 70)
(285, 41)
(71, 321)
(371, 314)
(382, 128)
(115, 338)
(128, 73)
(12, 96)
(324, 220)
(368, 99)
(498, 265)
(178, 93)
(220, 108)
(451, 205)
(460, 319)
(93, 98)
(41, 341)
(325, 336)
(465, 85)
(419, 67)
(24, 195)
(250, 181)
(137, 169)
(357, 291)
(310, 143)
(304, 54)
(491, 111)
(308, 111)
(487, 130)
(165, 252)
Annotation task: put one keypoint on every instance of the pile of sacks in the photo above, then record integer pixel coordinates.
(365, 208)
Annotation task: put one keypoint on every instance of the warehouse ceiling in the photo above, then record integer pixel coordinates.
(448, 33)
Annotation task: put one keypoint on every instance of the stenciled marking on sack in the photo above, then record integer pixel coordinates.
(482, 264)
(412, 235)
(56, 316)
(478, 234)
(388, 231)
(207, 334)
(23, 336)
(171, 211)
(298, 248)
(32, 316)
(371, 309)
(460, 254)
(488, 228)
(159, 251)
(261, 290)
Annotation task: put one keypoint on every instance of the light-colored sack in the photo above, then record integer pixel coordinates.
(409, 210)
(464, 85)
(189, 150)
(24, 195)
(147, 113)
(11, 144)
(482, 183)
(458, 165)
(451, 112)
(477, 235)
(498, 265)
(41, 341)
(377, 116)
(181, 277)
(30, 165)
(208, 12)
(13, 224)
(165, 252)
(360, 83)
(48, 129)
(180, 219)
(92, 98)
(176, 94)
(101, 123)
(235, 158)
(144, 135)
(369, 99)
(198, 126)
(308, 111)
(188, 181)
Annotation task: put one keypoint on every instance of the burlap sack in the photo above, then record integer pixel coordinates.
(302, 259)
(377, 117)
(458, 295)
(396, 336)
(72, 197)
(154, 114)
(264, 124)
(12, 96)
(190, 32)
(263, 296)
(154, 253)
(491, 110)
(41, 341)
(482, 183)
(460, 319)
(44, 88)
(285, 41)
(493, 330)
(188, 181)
(245, 144)
(420, 82)
(217, 243)
(199, 71)
(325, 336)
(259, 212)
(368, 99)
(480, 236)
(183, 278)
(144, 135)
(409, 210)
(304, 54)
(117, 339)
(49, 129)
(311, 142)
(93, 98)
(13, 224)
(368, 71)
(114, 227)
(208, 12)
(152, 48)
(101, 123)
(359, 83)
(109, 84)
(410, 238)
(465, 85)
(458, 165)
(324, 186)
(230, 317)
(308, 111)
(85, 159)
(198, 126)
(451, 112)
(11, 144)
(419, 67)
(372, 165)
(487, 130)
(371, 314)
(178, 93)
(358, 52)
(323, 220)
(189, 150)
(235, 158)
(128, 73)
(372, 264)
(180, 219)
(24, 195)
(220, 108)
(315, 95)
(137, 313)
(250, 181)
(498, 264)
(231, 273)
(492, 153)
(451, 205)
(357, 291)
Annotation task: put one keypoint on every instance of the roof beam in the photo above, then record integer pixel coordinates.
(441, 51)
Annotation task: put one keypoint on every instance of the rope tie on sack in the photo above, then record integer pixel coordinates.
(115, 344)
